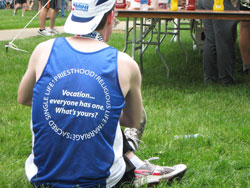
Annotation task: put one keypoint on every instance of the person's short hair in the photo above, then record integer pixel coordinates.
(104, 20)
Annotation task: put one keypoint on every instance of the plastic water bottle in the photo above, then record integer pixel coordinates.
(144, 5)
(186, 136)
(168, 4)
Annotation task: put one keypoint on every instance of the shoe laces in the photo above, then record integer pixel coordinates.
(155, 169)
(136, 133)
(132, 134)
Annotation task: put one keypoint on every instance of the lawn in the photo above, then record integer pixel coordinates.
(8, 21)
(178, 105)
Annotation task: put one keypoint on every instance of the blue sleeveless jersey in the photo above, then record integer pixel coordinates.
(77, 103)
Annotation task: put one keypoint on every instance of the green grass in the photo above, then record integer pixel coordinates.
(8, 21)
(178, 105)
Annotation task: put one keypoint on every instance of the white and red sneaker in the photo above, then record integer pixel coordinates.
(150, 174)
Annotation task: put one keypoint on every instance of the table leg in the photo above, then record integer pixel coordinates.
(141, 40)
(134, 38)
(179, 40)
(158, 47)
(126, 35)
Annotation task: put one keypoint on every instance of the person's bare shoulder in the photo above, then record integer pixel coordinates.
(128, 72)
(126, 62)
(45, 46)
(40, 56)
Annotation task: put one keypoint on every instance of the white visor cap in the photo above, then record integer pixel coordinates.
(86, 15)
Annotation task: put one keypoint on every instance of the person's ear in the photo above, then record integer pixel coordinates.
(110, 17)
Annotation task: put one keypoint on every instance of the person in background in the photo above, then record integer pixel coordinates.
(82, 91)
(244, 42)
(30, 4)
(219, 47)
(20, 3)
(63, 9)
(55, 5)
(39, 5)
(70, 5)
(9, 4)
(2, 4)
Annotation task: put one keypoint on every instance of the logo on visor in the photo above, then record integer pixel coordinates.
(81, 6)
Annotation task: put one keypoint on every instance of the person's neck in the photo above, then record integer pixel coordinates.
(104, 35)
(97, 35)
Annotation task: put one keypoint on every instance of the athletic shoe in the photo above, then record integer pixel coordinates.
(45, 33)
(244, 72)
(150, 174)
(54, 31)
(133, 135)
(14, 13)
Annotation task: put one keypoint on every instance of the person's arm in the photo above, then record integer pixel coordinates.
(36, 65)
(25, 90)
(130, 79)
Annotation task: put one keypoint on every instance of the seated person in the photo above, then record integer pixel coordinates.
(81, 90)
